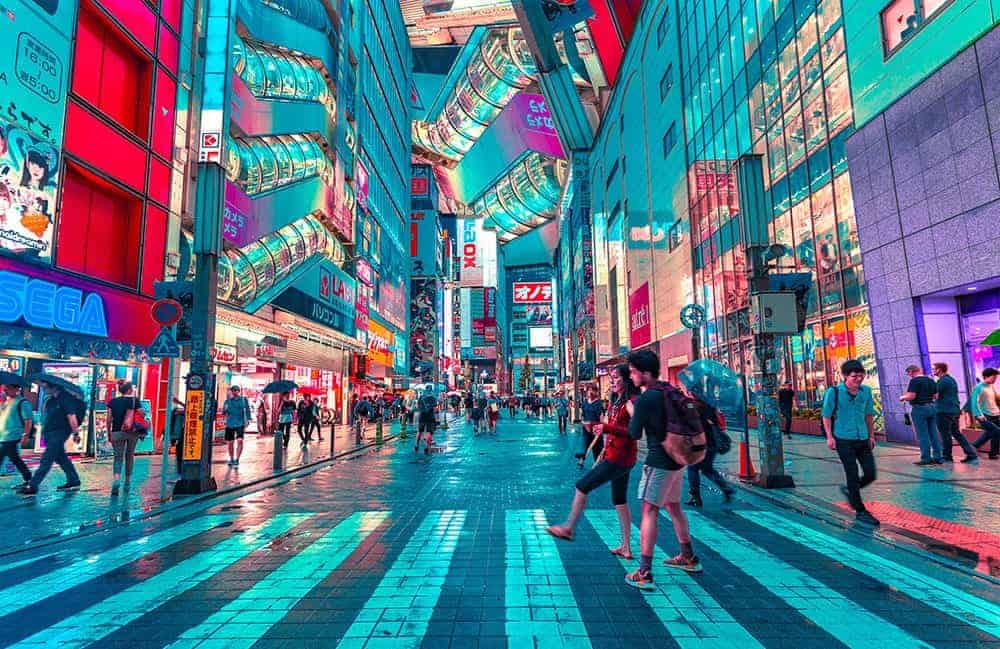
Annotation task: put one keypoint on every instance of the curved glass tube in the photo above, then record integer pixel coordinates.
(260, 164)
(525, 198)
(276, 74)
(307, 12)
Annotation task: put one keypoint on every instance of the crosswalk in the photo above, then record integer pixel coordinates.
(275, 572)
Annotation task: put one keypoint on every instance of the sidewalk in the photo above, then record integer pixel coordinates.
(51, 514)
(952, 509)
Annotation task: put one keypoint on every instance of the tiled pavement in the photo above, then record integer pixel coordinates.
(396, 549)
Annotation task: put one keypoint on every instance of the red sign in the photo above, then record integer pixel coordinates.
(532, 292)
(419, 186)
(167, 312)
(224, 355)
(363, 271)
(640, 327)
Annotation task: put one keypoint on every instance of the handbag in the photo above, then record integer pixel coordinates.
(907, 419)
(135, 421)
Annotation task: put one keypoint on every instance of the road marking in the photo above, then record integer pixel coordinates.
(692, 616)
(839, 616)
(109, 615)
(92, 566)
(23, 562)
(962, 606)
(247, 618)
(541, 608)
(398, 612)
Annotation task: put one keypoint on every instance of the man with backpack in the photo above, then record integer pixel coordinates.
(362, 411)
(62, 414)
(848, 419)
(427, 422)
(15, 425)
(669, 420)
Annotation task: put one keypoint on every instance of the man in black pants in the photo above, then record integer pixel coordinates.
(948, 411)
(848, 418)
(786, 399)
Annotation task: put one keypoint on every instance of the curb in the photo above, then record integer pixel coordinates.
(895, 539)
(148, 512)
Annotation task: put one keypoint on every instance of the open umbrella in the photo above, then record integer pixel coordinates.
(993, 340)
(307, 389)
(9, 378)
(277, 387)
(59, 382)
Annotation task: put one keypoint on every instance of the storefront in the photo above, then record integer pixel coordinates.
(91, 335)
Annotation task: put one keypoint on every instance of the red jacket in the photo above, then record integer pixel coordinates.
(619, 447)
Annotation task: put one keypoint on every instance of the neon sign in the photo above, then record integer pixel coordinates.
(47, 305)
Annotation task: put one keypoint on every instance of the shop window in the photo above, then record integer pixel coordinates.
(95, 211)
(111, 73)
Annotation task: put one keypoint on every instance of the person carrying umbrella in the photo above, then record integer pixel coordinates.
(286, 407)
(62, 413)
(15, 424)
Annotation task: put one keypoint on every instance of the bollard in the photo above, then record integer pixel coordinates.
(404, 428)
(378, 432)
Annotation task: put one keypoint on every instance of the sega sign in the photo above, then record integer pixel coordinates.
(532, 292)
(47, 305)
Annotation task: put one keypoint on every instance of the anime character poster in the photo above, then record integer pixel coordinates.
(423, 328)
(29, 170)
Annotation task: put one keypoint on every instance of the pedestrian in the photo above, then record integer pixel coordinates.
(177, 433)
(468, 406)
(983, 405)
(124, 434)
(714, 430)
(362, 411)
(16, 422)
(920, 394)
(786, 400)
(286, 413)
(316, 420)
(614, 466)
(262, 418)
(849, 421)
(478, 414)
(512, 407)
(562, 412)
(236, 410)
(590, 414)
(948, 411)
(305, 414)
(427, 422)
(62, 413)
(493, 411)
(662, 475)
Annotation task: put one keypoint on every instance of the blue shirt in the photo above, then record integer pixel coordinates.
(12, 421)
(562, 406)
(237, 412)
(947, 396)
(592, 410)
(849, 419)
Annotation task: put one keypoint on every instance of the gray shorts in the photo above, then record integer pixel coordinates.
(660, 486)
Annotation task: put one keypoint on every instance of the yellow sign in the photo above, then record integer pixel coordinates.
(193, 425)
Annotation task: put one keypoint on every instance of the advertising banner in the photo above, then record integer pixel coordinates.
(29, 177)
(532, 292)
(245, 219)
(640, 328)
(424, 243)
(361, 185)
(326, 295)
(465, 332)
(423, 327)
(478, 254)
(380, 344)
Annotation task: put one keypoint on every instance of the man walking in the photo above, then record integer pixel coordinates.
(983, 404)
(306, 415)
(15, 426)
(948, 410)
(662, 477)
(236, 410)
(61, 415)
(562, 412)
(427, 423)
(848, 418)
(786, 399)
(920, 393)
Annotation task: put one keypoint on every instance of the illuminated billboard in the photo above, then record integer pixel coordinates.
(539, 338)
(29, 176)
(478, 253)
(532, 292)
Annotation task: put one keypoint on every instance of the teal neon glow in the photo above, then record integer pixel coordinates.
(92, 566)
(526, 197)
(247, 618)
(398, 612)
(109, 615)
(275, 74)
(541, 608)
(964, 607)
(693, 617)
(260, 164)
(837, 615)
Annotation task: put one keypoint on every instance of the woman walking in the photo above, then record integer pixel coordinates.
(123, 433)
(613, 466)
(286, 412)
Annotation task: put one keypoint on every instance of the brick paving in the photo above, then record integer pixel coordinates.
(398, 549)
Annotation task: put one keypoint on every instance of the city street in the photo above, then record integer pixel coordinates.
(397, 549)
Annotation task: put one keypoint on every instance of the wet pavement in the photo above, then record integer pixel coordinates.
(400, 549)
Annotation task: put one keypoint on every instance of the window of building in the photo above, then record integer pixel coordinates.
(675, 236)
(94, 210)
(662, 27)
(669, 139)
(111, 73)
(611, 175)
(666, 81)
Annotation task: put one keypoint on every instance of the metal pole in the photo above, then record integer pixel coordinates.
(168, 410)
(278, 454)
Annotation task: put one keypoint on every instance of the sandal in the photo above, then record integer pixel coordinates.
(559, 532)
(621, 553)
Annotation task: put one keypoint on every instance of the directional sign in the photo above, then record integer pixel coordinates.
(167, 312)
(165, 346)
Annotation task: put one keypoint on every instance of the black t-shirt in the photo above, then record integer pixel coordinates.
(925, 389)
(785, 397)
(305, 410)
(468, 402)
(650, 418)
(57, 410)
(118, 407)
(426, 406)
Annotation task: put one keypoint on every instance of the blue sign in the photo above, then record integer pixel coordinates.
(165, 345)
(46, 305)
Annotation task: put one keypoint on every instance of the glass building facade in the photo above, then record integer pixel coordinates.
(770, 77)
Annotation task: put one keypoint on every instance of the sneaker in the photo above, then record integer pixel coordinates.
(27, 490)
(867, 518)
(641, 579)
(971, 459)
(230, 462)
(687, 564)
(68, 487)
(236, 462)
(694, 501)
(939, 461)
(20, 486)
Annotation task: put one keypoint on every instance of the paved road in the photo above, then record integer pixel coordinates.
(397, 550)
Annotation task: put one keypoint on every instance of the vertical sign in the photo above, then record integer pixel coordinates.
(193, 424)
(641, 331)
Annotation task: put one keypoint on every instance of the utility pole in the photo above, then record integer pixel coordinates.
(754, 218)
